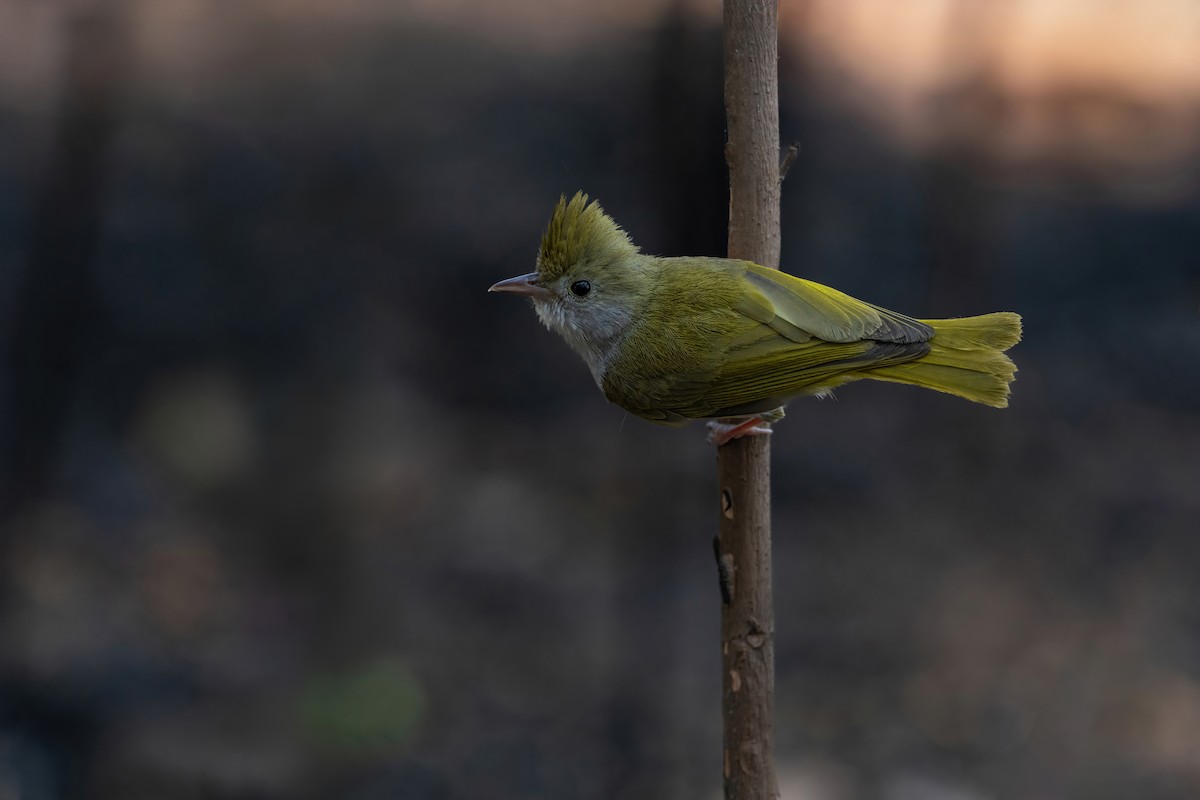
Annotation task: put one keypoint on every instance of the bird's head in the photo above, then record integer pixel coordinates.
(591, 280)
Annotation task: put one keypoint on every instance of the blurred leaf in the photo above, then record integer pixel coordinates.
(375, 707)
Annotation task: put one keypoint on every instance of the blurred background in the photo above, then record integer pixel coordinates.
(291, 508)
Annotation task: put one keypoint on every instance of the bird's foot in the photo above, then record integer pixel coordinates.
(722, 433)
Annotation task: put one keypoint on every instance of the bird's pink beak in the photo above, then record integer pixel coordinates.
(522, 284)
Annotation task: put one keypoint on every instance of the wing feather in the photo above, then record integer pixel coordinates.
(752, 383)
(783, 337)
(827, 313)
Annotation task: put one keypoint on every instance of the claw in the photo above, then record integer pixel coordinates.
(721, 433)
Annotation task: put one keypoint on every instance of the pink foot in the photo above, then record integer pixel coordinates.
(721, 433)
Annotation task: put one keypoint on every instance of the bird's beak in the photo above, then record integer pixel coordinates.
(522, 284)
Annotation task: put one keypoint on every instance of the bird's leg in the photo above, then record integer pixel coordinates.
(722, 432)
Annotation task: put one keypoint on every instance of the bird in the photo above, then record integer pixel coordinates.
(677, 339)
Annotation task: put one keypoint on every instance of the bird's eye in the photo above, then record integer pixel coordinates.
(581, 288)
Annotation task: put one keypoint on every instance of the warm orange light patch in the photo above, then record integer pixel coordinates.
(1110, 88)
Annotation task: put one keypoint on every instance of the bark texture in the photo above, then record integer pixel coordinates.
(743, 466)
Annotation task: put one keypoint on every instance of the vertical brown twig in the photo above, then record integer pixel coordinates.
(743, 465)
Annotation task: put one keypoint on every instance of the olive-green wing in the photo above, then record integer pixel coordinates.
(762, 378)
(795, 337)
(800, 309)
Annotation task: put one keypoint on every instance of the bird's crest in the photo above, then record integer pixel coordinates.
(579, 231)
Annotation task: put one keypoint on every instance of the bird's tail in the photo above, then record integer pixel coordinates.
(966, 358)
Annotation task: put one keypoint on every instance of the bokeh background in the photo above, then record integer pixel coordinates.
(291, 508)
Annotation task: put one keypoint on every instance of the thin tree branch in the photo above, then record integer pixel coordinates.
(743, 465)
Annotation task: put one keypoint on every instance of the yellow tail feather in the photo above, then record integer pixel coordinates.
(966, 359)
(998, 331)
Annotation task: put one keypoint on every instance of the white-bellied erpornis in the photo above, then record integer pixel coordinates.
(677, 339)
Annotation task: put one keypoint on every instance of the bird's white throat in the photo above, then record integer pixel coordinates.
(593, 331)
